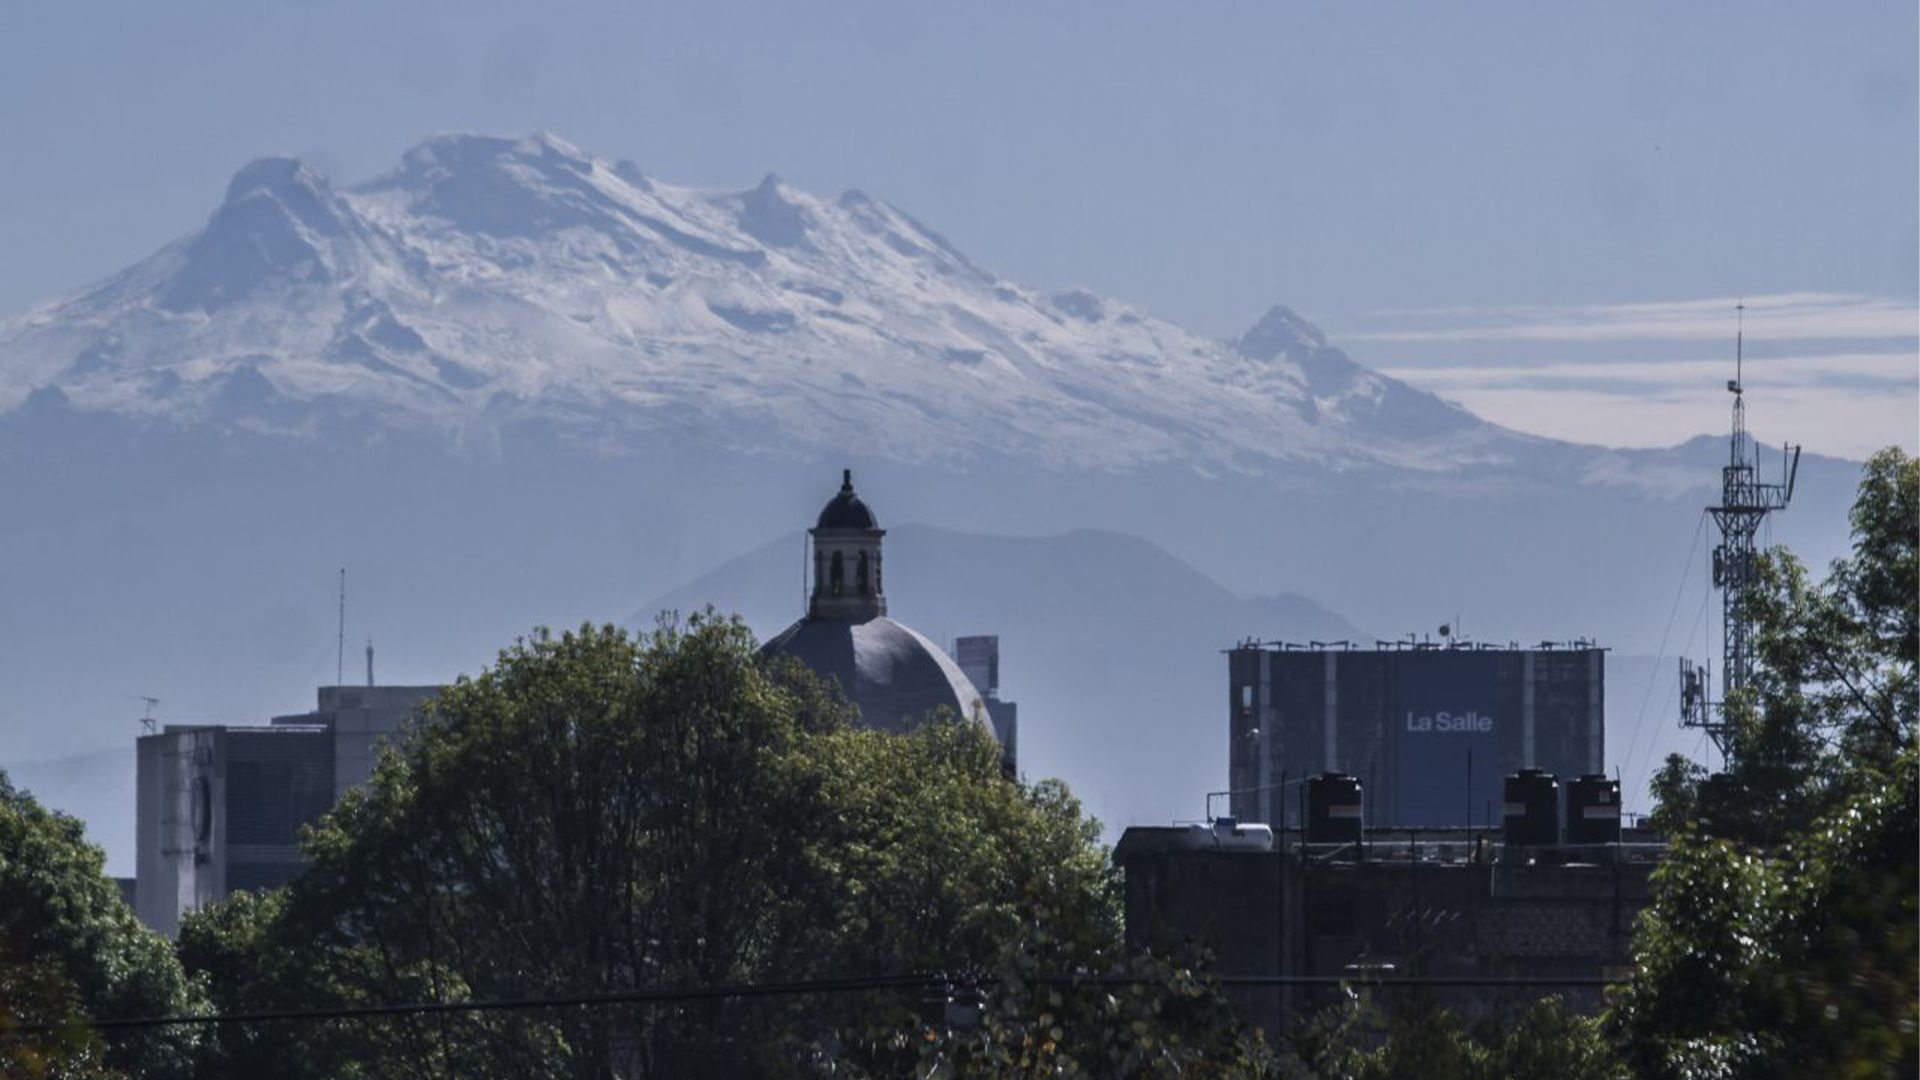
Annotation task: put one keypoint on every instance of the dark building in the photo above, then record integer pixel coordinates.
(1429, 730)
(1427, 904)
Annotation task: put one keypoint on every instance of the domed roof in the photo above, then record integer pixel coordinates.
(896, 676)
(845, 510)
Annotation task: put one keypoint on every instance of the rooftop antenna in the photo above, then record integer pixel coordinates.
(146, 718)
(340, 640)
(369, 663)
(1745, 503)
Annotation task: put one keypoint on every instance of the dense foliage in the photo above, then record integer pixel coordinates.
(600, 812)
(1356, 1041)
(71, 949)
(1782, 937)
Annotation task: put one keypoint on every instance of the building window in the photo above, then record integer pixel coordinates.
(837, 575)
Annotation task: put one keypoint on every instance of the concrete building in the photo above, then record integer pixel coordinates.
(979, 657)
(219, 808)
(1422, 904)
(361, 718)
(894, 674)
(1431, 730)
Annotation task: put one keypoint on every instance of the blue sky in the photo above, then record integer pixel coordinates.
(1544, 211)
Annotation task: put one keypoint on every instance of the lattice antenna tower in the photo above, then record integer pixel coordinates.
(1744, 505)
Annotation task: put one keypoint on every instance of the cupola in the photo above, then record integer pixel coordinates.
(847, 578)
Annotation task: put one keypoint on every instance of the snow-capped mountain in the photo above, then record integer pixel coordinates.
(489, 282)
(510, 385)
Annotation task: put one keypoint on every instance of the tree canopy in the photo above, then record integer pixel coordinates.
(71, 951)
(599, 812)
(1781, 940)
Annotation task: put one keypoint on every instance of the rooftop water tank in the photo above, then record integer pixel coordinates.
(1532, 808)
(1335, 802)
(1232, 835)
(1593, 810)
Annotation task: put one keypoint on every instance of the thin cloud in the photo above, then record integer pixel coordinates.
(1891, 370)
(1839, 372)
(1777, 317)
(1849, 404)
(1829, 420)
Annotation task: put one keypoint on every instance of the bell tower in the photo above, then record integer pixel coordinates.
(847, 578)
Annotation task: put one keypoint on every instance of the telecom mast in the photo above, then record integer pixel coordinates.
(1745, 503)
(147, 724)
(340, 640)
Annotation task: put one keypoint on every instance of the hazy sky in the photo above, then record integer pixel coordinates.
(1544, 211)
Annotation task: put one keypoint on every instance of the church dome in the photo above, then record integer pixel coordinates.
(896, 676)
(845, 510)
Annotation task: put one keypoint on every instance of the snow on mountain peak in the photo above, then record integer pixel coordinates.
(458, 151)
(279, 223)
(487, 282)
(291, 182)
(1280, 332)
(771, 216)
(503, 187)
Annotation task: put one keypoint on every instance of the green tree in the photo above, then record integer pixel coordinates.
(238, 950)
(599, 813)
(1781, 940)
(944, 865)
(1355, 1040)
(71, 952)
(1795, 960)
(1552, 1042)
(1833, 700)
(43, 1030)
(1068, 1002)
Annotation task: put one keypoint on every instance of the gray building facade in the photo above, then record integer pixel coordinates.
(1430, 731)
(979, 657)
(219, 808)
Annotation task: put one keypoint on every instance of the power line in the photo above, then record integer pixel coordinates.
(658, 996)
(1679, 595)
(1693, 635)
(665, 996)
(1489, 981)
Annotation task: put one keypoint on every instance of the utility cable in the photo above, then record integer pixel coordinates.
(1693, 635)
(665, 996)
(1686, 574)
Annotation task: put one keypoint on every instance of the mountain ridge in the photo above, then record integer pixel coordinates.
(488, 282)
